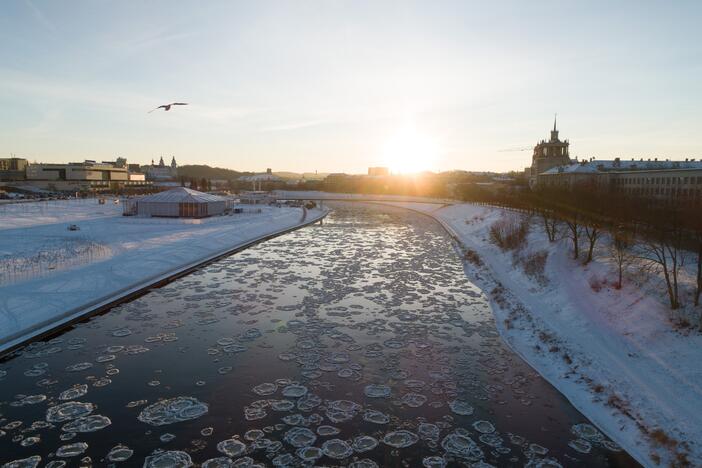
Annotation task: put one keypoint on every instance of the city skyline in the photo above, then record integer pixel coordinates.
(339, 86)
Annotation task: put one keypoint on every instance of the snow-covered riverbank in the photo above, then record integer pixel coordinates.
(57, 275)
(613, 353)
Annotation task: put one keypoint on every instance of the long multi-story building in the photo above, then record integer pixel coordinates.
(664, 180)
(87, 175)
(651, 178)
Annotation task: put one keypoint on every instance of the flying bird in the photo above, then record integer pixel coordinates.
(167, 107)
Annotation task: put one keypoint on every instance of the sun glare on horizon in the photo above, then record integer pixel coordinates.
(408, 151)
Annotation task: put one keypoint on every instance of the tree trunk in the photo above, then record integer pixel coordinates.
(592, 238)
(671, 295)
(576, 247)
(698, 289)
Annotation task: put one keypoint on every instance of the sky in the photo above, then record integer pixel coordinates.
(337, 86)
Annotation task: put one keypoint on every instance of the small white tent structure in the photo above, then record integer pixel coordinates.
(179, 202)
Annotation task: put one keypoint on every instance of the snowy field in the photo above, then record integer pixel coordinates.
(49, 273)
(615, 354)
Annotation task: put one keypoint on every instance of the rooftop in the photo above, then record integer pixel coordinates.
(600, 165)
(181, 195)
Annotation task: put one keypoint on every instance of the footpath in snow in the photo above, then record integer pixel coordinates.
(615, 354)
(50, 275)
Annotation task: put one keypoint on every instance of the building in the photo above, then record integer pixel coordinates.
(13, 169)
(677, 181)
(378, 171)
(256, 198)
(161, 172)
(662, 180)
(78, 176)
(257, 180)
(548, 154)
(179, 202)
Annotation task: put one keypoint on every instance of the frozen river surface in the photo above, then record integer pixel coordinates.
(359, 342)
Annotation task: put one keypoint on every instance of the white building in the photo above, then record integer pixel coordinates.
(179, 202)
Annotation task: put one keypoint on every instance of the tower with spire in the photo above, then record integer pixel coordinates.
(549, 154)
(554, 132)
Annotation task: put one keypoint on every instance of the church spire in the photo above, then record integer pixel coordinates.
(554, 132)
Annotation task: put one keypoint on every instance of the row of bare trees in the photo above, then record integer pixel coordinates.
(662, 235)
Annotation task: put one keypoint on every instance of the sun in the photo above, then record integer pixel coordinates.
(408, 151)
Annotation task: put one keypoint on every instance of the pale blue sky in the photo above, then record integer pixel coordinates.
(324, 85)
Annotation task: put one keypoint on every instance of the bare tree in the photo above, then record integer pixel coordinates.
(662, 248)
(573, 231)
(551, 224)
(622, 241)
(593, 231)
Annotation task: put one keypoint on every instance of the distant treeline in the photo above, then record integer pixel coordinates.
(201, 171)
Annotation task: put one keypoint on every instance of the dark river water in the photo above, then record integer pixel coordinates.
(356, 343)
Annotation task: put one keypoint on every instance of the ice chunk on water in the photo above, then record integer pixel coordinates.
(81, 366)
(90, 423)
(170, 459)
(484, 427)
(364, 443)
(400, 439)
(325, 430)
(69, 410)
(377, 391)
(310, 454)
(376, 417)
(434, 462)
(300, 437)
(219, 462)
(580, 445)
(231, 447)
(414, 400)
(342, 410)
(294, 391)
(265, 389)
(587, 432)
(460, 445)
(337, 449)
(119, 453)
(363, 463)
(74, 392)
(71, 450)
(461, 407)
(173, 410)
(30, 462)
(543, 463)
(428, 431)
(253, 434)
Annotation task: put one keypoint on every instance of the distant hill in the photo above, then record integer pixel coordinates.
(298, 175)
(198, 171)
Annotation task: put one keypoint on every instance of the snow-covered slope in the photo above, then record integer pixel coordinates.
(55, 275)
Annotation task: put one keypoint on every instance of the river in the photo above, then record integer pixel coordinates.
(355, 342)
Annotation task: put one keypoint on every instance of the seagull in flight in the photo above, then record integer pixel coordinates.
(167, 107)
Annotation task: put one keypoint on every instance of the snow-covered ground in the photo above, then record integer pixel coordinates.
(49, 275)
(615, 354)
